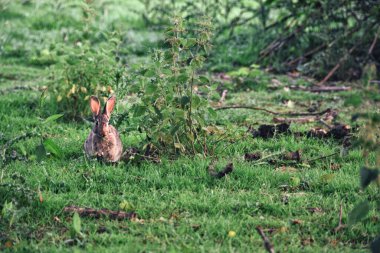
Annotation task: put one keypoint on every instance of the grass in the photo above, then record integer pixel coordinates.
(180, 207)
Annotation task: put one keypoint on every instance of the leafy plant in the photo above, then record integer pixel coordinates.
(369, 141)
(169, 104)
(86, 71)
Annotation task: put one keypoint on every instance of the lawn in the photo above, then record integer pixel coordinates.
(179, 206)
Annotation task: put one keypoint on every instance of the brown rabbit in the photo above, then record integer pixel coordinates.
(104, 141)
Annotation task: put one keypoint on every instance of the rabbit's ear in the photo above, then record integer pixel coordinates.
(95, 105)
(110, 104)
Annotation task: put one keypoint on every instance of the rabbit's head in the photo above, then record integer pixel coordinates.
(101, 127)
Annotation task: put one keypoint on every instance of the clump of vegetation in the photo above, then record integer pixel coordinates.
(86, 71)
(171, 105)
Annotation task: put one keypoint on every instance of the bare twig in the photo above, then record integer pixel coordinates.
(340, 225)
(97, 213)
(309, 53)
(223, 97)
(322, 157)
(321, 88)
(328, 116)
(273, 112)
(307, 119)
(373, 43)
(267, 244)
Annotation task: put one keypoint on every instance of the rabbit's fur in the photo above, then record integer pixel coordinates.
(104, 141)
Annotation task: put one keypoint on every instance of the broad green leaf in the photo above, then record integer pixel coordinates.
(184, 101)
(359, 212)
(182, 78)
(139, 110)
(76, 223)
(203, 79)
(191, 42)
(196, 101)
(150, 73)
(212, 113)
(150, 89)
(53, 148)
(52, 118)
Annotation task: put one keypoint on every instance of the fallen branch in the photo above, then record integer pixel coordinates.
(321, 88)
(267, 244)
(273, 112)
(98, 213)
(373, 43)
(330, 88)
(328, 116)
(309, 53)
(227, 170)
(308, 119)
(322, 157)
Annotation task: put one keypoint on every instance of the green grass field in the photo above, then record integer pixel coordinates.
(180, 208)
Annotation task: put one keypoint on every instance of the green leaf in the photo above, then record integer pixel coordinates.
(359, 212)
(190, 42)
(150, 89)
(150, 73)
(40, 152)
(367, 176)
(76, 223)
(52, 147)
(203, 79)
(52, 118)
(139, 110)
(212, 113)
(182, 78)
(184, 101)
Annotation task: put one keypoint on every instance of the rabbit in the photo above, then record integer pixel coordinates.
(104, 140)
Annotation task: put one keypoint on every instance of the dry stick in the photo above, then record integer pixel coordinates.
(329, 88)
(322, 157)
(311, 52)
(267, 244)
(97, 213)
(373, 43)
(223, 97)
(340, 225)
(308, 119)
(273, 112)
